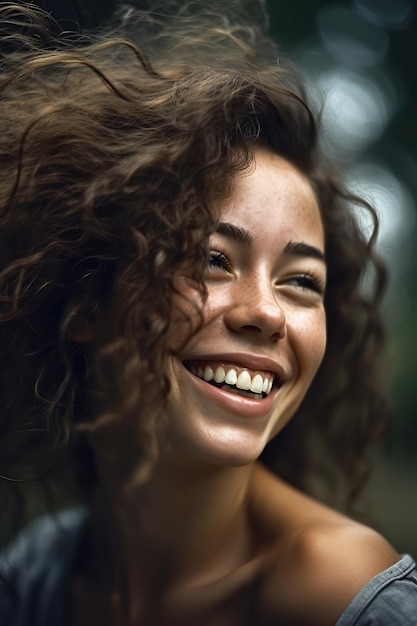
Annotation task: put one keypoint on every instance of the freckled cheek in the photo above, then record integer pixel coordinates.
(308, 335)
(194, 324)
(185, 316)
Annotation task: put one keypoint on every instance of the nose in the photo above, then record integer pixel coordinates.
(255, 310)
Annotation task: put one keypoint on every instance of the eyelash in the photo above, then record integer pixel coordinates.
(218, 261)
(309, 282)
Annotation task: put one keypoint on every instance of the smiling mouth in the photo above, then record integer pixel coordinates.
(233, 379)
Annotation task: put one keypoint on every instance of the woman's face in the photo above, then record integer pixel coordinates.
(244, 373)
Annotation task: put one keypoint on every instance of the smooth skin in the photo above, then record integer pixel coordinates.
(213, 538)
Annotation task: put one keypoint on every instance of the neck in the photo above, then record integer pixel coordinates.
(172, 531)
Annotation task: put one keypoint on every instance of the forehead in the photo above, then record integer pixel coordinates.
(274, 201)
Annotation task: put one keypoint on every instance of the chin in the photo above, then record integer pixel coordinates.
(222, 446)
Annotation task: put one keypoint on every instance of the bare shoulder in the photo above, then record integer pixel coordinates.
(320, 560)
(320, 569)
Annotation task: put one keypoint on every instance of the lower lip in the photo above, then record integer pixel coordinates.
(240, 405)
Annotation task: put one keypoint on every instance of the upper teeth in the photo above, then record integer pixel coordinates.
(257, 383)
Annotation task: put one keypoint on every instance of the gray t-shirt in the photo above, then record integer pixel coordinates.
(36, 567)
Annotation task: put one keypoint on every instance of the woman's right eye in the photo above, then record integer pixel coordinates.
(218, 261)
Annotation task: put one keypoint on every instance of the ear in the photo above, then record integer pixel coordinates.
(87, 332)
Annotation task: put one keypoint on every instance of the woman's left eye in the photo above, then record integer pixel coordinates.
(308, 282)
(218, 261)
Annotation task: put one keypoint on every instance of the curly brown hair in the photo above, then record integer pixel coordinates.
(115, 151)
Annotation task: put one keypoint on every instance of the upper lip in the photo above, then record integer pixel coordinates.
(256, 362)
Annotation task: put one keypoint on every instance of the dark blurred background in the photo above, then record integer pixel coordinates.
(362, 54)
(361, 57)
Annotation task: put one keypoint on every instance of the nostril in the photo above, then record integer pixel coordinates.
(251, 327)
(280, 334)
(259, 318)
(257, 330)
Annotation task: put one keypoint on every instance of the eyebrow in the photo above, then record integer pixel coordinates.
(236, 233)
(295, 248)
(243, 236)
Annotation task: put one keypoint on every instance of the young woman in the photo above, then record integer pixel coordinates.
(182, 293)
